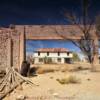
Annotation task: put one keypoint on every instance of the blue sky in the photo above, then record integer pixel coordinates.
(41, 11)
(31, 46)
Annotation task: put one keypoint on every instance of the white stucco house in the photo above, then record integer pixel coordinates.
(52, 55)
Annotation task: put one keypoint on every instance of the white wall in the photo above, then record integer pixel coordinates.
(54, 60)
(36, 61)
(54, 57)
(62, 60)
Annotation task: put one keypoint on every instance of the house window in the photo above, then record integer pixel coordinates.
(59, 59)
(47, 53)
(58, 53)
(68, 53)
(40, 59)
(38, 53)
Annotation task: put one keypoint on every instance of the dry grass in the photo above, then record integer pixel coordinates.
(44, 70)
(71, 79)
(87, 89)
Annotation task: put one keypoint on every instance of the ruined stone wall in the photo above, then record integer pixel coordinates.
(15, 49)
(3, 50)
(5, 35)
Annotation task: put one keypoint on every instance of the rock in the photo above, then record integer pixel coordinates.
(20, 87)
(51, 91)
(51, 77)
(55, 94)
(21, 97)
(88, 79)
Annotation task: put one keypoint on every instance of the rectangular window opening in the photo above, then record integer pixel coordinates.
(59, 59)
(38, 53)
(58, 53)
(47, 53)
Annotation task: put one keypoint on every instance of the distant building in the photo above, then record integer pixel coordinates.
(52, 55)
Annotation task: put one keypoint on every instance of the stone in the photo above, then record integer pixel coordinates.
(55, 94)
(88, 79)
(20, 87)
(20, 97)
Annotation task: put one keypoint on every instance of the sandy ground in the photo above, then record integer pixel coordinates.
(50, 89)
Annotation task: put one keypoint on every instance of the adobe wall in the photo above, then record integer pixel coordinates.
(9, 48)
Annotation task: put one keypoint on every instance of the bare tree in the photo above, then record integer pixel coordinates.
(98, 24)
(88, 42)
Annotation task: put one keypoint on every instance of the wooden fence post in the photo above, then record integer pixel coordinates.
(9, 54)
(22, 47)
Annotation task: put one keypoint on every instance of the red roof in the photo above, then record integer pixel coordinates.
(52, 50)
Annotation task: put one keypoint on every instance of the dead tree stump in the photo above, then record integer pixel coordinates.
(11, 80)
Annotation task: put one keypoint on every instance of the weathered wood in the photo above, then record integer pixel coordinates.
(22, 47)
(11, 81)
(95, 63)
(10, 90)
(9, 53)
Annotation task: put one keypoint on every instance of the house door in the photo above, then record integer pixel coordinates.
(67, 60)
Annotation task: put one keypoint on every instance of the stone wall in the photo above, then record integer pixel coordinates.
(15, 50)
(5, 35)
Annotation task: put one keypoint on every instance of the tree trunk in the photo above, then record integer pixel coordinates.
(94, 64)
(95, 61)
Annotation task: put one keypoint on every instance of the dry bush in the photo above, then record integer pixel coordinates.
(44, 70)
(19, 87)
(71, 79)
(55, 67)
(80, 68)
(2, 73)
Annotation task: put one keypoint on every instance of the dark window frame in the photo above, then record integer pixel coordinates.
(38, 53)
(47, 53)
(68, 53)
(40, 59)
(58, 53)
(59, 59)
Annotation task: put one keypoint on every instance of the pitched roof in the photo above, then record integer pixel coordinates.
(52, 50)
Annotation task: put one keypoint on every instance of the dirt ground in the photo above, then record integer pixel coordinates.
(50, 89)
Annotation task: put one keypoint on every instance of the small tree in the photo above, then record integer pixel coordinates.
(75, 57)
(98, 24)
(45, 60)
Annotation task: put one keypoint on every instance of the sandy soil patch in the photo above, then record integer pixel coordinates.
(50, 89)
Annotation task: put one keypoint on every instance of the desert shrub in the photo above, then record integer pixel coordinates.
(44, 70)
(2, 73)
(75, 57)
(71, 79)
(33, 71)
(79, 68)
(25, 67)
